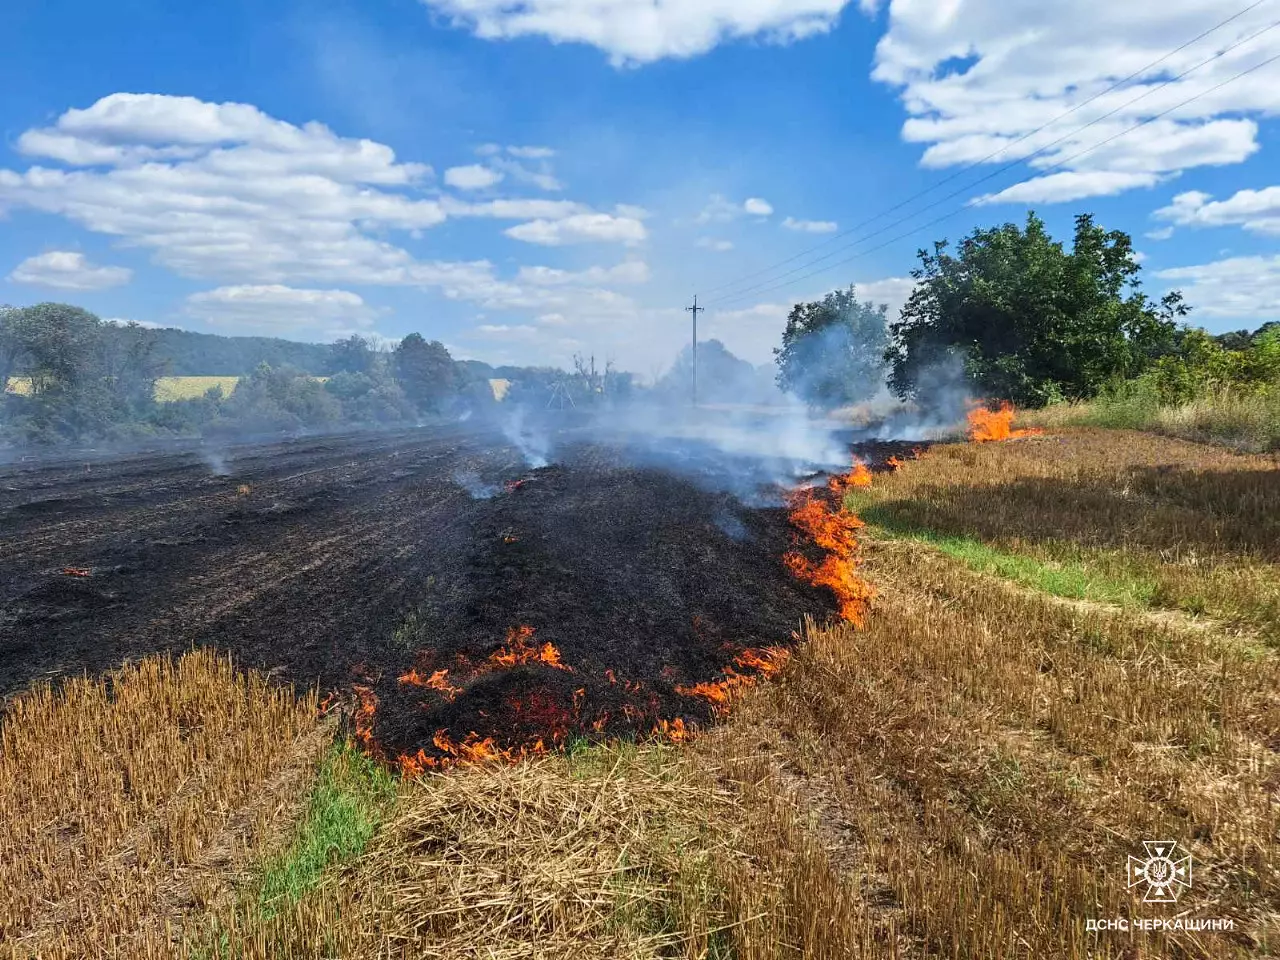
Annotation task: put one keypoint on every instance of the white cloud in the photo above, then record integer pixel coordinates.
(717, 210)
(711, 243)
(1244, 287)
(1070, 185)
(1164, 233)
(642, 31)
(976, 77)
(811, 226)
(472, 177)
(241, 196)
(226, 193)
(279, 309)
(505, 331)
(720, 209)
(1256, 210)
(629, 271)
(581, 228)
(531, 153)
(67, 270)
(632, 211)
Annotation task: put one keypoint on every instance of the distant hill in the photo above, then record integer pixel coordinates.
(205, 354)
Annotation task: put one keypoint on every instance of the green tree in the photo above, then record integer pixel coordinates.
(1033, 322)
(354, 354)
(833, 350)
(426, 372)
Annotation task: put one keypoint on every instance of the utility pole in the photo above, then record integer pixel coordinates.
(694, 310)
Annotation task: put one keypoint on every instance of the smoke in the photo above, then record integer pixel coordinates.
(942, 398)
(216, 461)
(476, 488)
(533, 442)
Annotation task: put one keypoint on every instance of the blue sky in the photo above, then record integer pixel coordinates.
(526, 180)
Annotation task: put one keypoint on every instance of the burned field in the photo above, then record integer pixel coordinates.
(460, 602)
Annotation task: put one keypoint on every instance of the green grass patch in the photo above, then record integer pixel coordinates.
(350, 797)
(1060, 577)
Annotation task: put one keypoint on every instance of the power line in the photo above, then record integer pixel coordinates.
(695, 310)
(755, 275)
(959, 210)
(1014, 163)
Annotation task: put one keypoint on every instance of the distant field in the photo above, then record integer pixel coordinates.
(186, 388)
(167, 388)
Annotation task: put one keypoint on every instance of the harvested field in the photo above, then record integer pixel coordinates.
(132, 800)
(368, 565)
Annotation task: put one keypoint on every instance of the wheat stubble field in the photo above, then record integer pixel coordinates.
(1070, 649)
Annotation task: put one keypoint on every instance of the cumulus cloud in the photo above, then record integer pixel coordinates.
(581, 228)
(811, 226)
(472, 177)
(278, 308)
(224, 192)
(643, 31)
(975, 82)
(1244, 287)
(531, 153)
(1070, 185)
(1256, 210)
(67, 270)
(629, 271)
(720, 209)
(711, 243)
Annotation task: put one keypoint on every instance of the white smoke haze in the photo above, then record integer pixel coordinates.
(217, 462)
(476, 488)
(530, 438)
(745, 436)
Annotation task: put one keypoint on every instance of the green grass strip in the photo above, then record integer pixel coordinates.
(1073, 579)
(347, 803)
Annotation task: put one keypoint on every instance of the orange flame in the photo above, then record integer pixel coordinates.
(767, 661)
(859, 476)
(519, 650)
(987, 425)
(835, 531)
(438, 681)
(673, 731)
(76, 572)
(362, 719)
(895, 463)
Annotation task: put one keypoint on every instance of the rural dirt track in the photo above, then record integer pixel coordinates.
(351, 560)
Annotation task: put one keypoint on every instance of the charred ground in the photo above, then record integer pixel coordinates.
(353, 562)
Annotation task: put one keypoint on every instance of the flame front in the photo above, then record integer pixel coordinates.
(829, 526)
(987, 425)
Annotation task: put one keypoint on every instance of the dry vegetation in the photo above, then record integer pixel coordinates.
(1187, 526)
(964, 776)
(132, 799)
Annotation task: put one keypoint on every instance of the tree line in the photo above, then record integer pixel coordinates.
(92, 380)
(1013, 315)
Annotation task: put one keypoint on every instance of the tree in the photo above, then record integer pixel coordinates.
(1032, 322)
(832, 350)
(353, 354)
(426, 372)
(12, 343)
